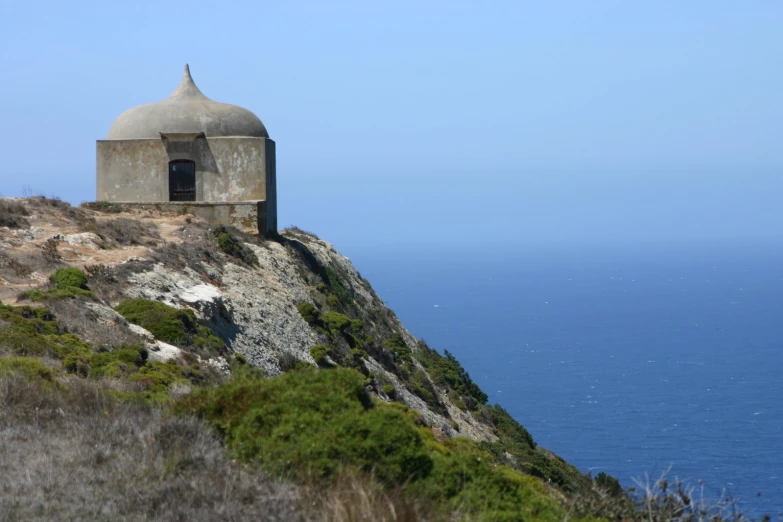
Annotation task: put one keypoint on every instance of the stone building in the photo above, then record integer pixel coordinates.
(189, 151)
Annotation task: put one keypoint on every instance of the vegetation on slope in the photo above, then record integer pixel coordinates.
(351, 455)
(27, 332)
(64, 283)
(321, 424)
(75, 452)
(172, 325)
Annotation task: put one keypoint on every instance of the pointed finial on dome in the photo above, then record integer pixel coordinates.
(187, 87)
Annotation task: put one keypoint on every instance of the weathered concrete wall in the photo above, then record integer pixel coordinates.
(132, 170)
(228, 169)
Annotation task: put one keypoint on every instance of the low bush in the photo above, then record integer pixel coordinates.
(526, 456)
(116, 364)
(463, 477)
(318, 425)
(68, 283)
(26, 367)
(34, 332)
(609, 484)
(312, 423)
(513, 433)
(355, 360)
(230, 245)
(51, 294)
(389, 390)
(447, 372)
(400, 350)
(319, 353)
(158, 377)
(309, 313)
(336, 322)
(420, 385)
(69, 277)
(171, 325)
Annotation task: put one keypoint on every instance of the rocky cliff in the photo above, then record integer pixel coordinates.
(251, 299)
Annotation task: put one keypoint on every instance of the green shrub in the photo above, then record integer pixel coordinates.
(68, 292)
(399, 348)
(309, 313)
(119, 363)
(289, 361)
(447, 372)
(158, 377)
(314, 423)
(609, 484)
(26, 367)
(422, 387)
(68, 283)
(456, 400)
(34, 332)
(338, 289)
(70, 277)
(170, 324)
(464, 476)
(526, 456)
(389, 391)
(336, 322)
(319, 353)
(233, 247)
(355, 360)
(509, 429)
(32, 320)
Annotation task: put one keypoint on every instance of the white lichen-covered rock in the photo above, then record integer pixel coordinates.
(83, 239)
(254, 310)
(163, 352)
(108, 315)
(143, 332)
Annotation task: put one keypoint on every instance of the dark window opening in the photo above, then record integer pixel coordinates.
(182, 180)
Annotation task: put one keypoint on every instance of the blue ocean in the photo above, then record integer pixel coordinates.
(629, 359)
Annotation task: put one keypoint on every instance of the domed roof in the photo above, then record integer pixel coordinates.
(187, 110)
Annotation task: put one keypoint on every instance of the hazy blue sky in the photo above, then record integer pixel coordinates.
(432, 120)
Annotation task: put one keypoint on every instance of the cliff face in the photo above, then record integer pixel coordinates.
(159, 304)
(251, 300)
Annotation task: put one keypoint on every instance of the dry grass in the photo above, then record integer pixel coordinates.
(82, 456)
(356, 498)
(11, 266)
(124, 231)
(12, 214)
(659, 500)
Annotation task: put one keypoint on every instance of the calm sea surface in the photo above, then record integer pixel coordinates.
(625, 359)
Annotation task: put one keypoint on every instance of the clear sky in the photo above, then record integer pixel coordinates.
(432, 121)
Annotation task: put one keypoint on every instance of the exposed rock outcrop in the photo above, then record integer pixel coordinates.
(253, 308)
